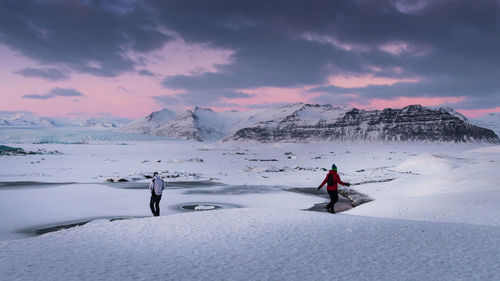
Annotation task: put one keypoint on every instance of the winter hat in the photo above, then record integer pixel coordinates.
(334, 167)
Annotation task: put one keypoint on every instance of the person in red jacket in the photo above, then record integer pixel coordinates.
(332, 179)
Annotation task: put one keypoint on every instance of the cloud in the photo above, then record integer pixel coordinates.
(450, 45)
(145, 72)
(56, 92)
(50, 74)
(94, 37)
(165, 100)
(429, 87)
(121, 88)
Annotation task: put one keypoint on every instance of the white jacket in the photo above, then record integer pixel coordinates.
(158, 184)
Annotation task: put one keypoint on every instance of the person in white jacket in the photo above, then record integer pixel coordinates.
(156, 187)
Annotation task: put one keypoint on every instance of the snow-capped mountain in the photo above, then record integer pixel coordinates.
(305, 122)
(24, 119)
(28, 119)
(296, 122)
(149, 123)
(205, 124)
(88, 123)
(200, 124)
(96, 123)
(412, 123)
(453, 112)
(490, 121)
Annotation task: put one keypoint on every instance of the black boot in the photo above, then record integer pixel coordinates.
(327, 208)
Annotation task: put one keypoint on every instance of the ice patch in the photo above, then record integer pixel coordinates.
(204, 208)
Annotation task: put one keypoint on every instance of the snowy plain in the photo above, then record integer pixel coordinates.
(435, 213)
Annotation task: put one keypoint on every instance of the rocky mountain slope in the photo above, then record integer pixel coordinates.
(412, 123)
(306, 122)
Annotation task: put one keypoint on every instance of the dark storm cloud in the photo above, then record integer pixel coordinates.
(482, 93)
(87, 36)
(451, 46)
(166, 100)
(145, 72)
(56, 92)
(50, 74)
(208, 97)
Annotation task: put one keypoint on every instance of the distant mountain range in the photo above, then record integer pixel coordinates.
(290, 123)
(26, 119)
(306, 122)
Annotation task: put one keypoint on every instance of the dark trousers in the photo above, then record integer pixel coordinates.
(334, 197)
(154, 204)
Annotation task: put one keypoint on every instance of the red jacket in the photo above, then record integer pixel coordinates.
(336, 179)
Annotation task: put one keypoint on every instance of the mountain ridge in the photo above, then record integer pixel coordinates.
(27, 119)
(301, 122)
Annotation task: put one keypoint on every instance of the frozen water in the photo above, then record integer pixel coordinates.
(257, 244)
(204, 208)
(73, 135)
(434, 213)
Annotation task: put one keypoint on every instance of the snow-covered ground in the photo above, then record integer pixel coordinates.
(257, 244)
(435, 214)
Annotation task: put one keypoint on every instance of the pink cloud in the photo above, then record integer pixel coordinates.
(178, 58)
(270, 95)
(365, 80)
(399, 48)
(472, 113)
(128, 95)
(395, 48)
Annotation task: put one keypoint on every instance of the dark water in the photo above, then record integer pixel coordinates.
(30, 184)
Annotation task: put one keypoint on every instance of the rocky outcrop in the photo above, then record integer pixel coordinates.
(412, 123)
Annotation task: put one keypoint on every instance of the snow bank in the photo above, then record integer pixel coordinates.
(486, 149)
(425, 164)
(257, 244)
(462, 188)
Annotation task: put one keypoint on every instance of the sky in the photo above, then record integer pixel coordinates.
(127, 58)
